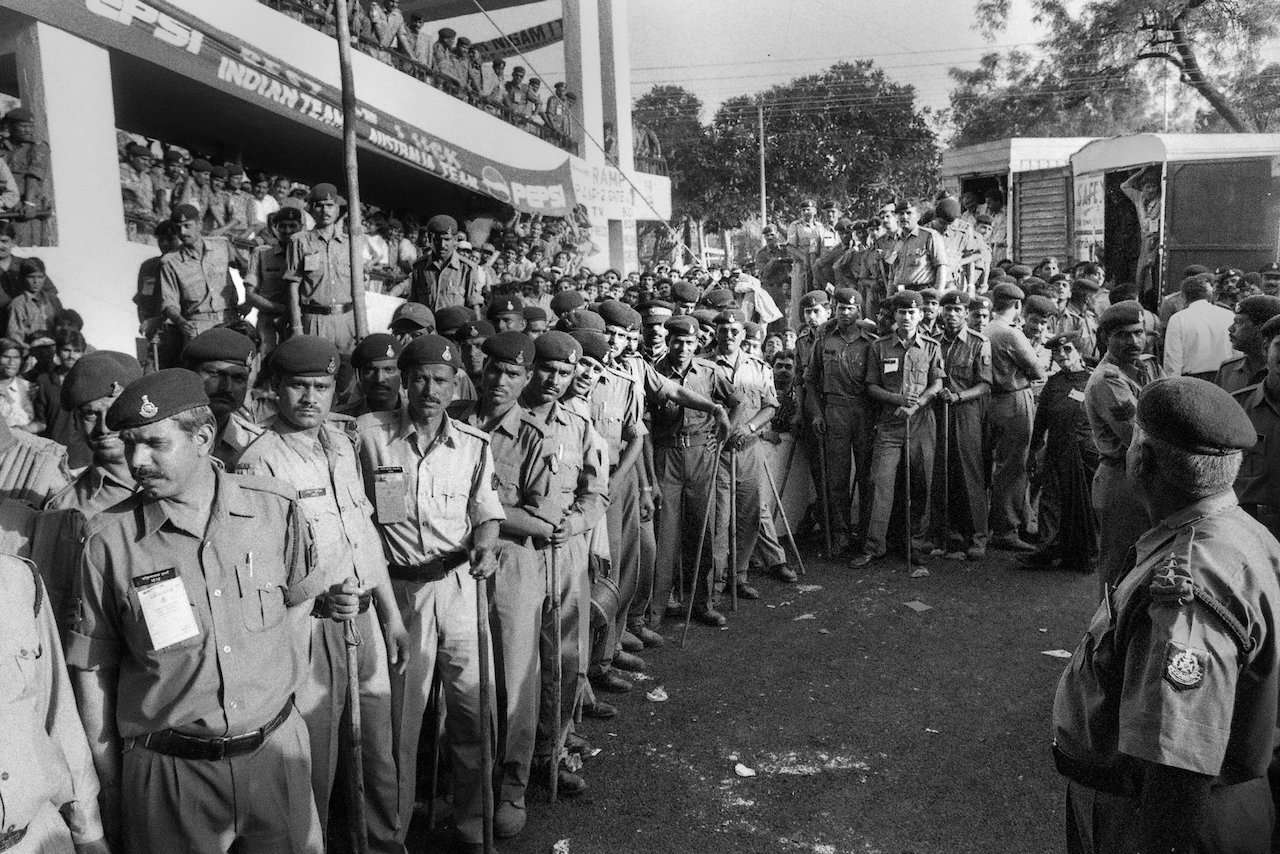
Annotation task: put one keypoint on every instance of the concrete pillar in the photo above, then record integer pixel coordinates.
(615, 67)
(617, 250)
(582, 72)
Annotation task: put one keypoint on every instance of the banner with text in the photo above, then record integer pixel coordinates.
(523, 41)
(1088, 227)
(607, 193)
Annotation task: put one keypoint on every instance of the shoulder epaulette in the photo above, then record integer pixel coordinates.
(36, 583)
(981, 336)
(532, 421)
(464, 427)
(1242, 393)
(260, 483)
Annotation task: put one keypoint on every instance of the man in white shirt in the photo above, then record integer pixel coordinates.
(1196, 341)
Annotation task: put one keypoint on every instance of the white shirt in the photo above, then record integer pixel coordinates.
(1196, 340)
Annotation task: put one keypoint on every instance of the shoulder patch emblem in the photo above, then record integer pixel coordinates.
(1184, 667)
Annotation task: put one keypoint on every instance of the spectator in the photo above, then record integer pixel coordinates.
(1197, 340)
(16, 405)
(59, 424)
(34, 308)
(28, 160)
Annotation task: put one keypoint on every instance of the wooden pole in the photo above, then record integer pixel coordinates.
(764, 213)
(355, 226)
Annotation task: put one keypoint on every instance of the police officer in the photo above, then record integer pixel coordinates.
(318, 270)
(431, 480)
(1165, 719)
(919, 257)
(305, 449)
(28, 159)
(375, 360)
(442, 277)
(841, 415)
(1110, 401)
(904, 374)
(1080, 318)
(1258, 484)
(196, 289)
(807, 238)
(411, 319)
(966, 360)
(91, 386)
(265, 286)
(1246, 335)
(506, 313)
(222, 359)
(186, 657)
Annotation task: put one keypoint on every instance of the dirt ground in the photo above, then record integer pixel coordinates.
(871, 727)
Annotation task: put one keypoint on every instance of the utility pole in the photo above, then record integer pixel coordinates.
(764, 214)
(354, 225)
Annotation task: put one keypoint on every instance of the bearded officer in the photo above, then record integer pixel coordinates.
(1165, 719)
(184, 653)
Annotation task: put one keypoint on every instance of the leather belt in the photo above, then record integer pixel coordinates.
(207, 315)
(321, 308)
(10, 838)
(997, 391)
(685, 440)
(173, 743)
(432, 570)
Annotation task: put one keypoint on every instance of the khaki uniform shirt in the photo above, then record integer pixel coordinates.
(616, 412)
(576, 458)
(1111, 402)
(1238, 373)
(519, 460)
(92, 492)
(198, 281)
(671, 419)
(253, 561)
(266, 274)
(439, 285)
(1014, 364)
(320, 265)
(966, 360)
(915, 257)
(839, 373)
(1258, 481)
(899, 367)
(1083, 322)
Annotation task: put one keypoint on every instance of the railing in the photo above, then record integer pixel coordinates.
(313, 14)
(651, 165)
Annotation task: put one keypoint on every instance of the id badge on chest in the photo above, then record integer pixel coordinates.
(389, 494)
(1076, 395)
(890, 366)
(165, 608)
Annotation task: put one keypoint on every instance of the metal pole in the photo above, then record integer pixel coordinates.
(906, 464)
(354, 225)
(782, 511)
(486, 705)
(558, 680)
(826, 495)
(764, 214)
(733, 529)
(433, 787)
(697, 559)
(359, 829)
(946, 476)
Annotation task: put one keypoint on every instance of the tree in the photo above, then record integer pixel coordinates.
(1257, 94)
(1205, 40)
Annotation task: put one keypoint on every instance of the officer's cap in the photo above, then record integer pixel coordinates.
(218, 345)
(288, 213)
(595, 345)
(415, 313)
(442, 224)
(753, 330)
(1259, 308)
(430, 349)
(473, 329)
(1119, 315)
(1003, 291)
(1019, 271)
(979, 302)
(656, 312)
(510, 346)
(1040, 305)
(507, 304)
(730, 315)
(814, 298)
(718, 299)
(305, 356)
(954, 298)
(1085, 284)
(906, 299)
(377, 347)
(184, 213)
(448, 319)
(324, 193)
(618, 313)
(683, 291)
(1195, 416)
(556, 347)
(566, 301)
(928, 294)
(102, 373)
(580, 318)
(156, 397)
(201, 165)
(848, 296)
(683, 324)
(534, 313)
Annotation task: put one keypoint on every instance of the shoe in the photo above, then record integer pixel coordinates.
(508, 820)
(976, 552)
(575, 743)
(568, 784)
(784, 573)
(956, 555)
(1013, 543)
(599, 710)
(674, 612)
(648, 636)
(917, 558)
(710, 617)
(627, 661)
(631, 643)
(863, 559)
(609, 682)
(746, 591)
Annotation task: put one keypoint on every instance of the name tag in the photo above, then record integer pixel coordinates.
(389, 494)
(165, 608)
(313, 493)
(1076, 395)
(890, 366)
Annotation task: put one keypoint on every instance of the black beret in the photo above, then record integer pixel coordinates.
(683, 324)
(1019, 271)
(1072, 338)
(218, 172)
(514, 347)
(1194, 270)
(430, 349)
(305, 356)
(1196, 416)
(376, 347)
(929, 294)
(582, 318)
(1259, 308)
(719, 299)
(567, 301)
(451, 317)
(1087, 284)
(730, 315)
(288, 213)
(201, 165)
(705, 316)
(683, 291)
(414, 312)
(813, 298)
(473, 329)
(906, 299)
(753, 330)
(442, 224)
(534, 313)
(135, 149)
(1007, 292)
(848, 296)
(1271, 328)
(1270, 269)
(557, 347)
(980, 301)
(1120, 314)
(507, 304)
(103, 373)
(184, 213)
(156, 397)
(618, 313)
(324, 193)
(954, 298)
(595, 345)
(1041, 305)
(218, 345)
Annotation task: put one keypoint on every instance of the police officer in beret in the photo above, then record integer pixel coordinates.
(1110, 401)
(376, 362)
(506, 313)
(265, 287)
(535, 320)
(1250, 368)
(1165, 719)
(919, 257)
(774, 265)
(305, 448)
(185, 649)
(411, 319)
(318, 270)
(222, 359)
(443, 277)
(1080, 317)
(1258, 484)
(196, 289)
(807, 238)
(470, 338)
(432, 483)
(91, 386)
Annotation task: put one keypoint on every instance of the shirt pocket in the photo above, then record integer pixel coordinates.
(312, 262)
(18, 672)
(263, 607)
(448, 499)
(1254, 463)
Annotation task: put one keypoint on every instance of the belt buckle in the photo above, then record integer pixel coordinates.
(219, 748)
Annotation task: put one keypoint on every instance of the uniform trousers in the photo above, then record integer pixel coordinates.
(1238, 820)
(888, 443)
(338, 328)
(208, 320)
(440, 617)
(1011, 415)
(768, 552)
(747, 530)
(256, 802)
(518, 592)
(322, 699)
(686, 477)
(848, 445)
(622, 521)
(966, 496)
(1121, 521)
(47, 833)
(575, 638)
(637, 614)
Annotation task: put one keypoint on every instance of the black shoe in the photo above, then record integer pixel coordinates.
(784, 573)
(575, 743)
(746, 591)
(630, 642)
(674, 612)
(648, 636)
(710, 617)
(568, 784)
(609, 682)
(627, 661)
(599, 710)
